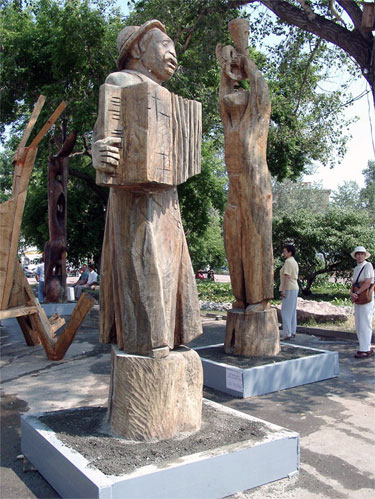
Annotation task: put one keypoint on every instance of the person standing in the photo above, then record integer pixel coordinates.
(364, 275)
(39, 276)
(289, 292)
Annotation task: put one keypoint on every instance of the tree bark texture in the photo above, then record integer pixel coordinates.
(155, 399)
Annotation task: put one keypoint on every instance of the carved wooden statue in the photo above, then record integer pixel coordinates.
(248, 216)
(55, 248)
(146, 141)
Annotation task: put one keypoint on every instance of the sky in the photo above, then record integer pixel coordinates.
(360, 149)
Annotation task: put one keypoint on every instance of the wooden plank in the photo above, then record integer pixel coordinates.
(31, 336)
(67, 336)
(6, 216)
(39, 325)
(14, 220)
(21, 292)
(55, 115)
(34, 116)
(17, 312)
(56, 323)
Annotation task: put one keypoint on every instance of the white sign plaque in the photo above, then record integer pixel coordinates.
(234, 380)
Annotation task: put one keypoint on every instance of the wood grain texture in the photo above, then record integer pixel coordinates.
(161, 134)
(252, 333)
(251, 327)
(66, 337)
(248, 216)
(11, 219)
(156, 399)
(149, 298)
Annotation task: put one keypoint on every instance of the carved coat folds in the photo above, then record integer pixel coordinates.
(148, 295)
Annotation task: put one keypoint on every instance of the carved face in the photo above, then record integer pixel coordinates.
(159, 57)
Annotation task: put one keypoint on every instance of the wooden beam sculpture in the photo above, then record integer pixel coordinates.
(16, 296)
(252, 327)
(55, 248)
(146, 141)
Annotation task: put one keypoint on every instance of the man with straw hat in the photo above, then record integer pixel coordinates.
(148, 293)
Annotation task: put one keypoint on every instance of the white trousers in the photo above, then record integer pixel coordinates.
(289, 312)
(363, 324)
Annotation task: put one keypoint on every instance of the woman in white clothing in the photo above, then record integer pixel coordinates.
(289, 292)
(364, 273)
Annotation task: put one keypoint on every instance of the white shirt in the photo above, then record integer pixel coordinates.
(93, 277)
(40, 272)
(367, 272)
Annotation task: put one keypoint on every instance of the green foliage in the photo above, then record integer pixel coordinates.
(217, 292)
(336, 293)
(202, 201)
(350, 196)
(367, 194)
(196, 27)
(347, 195)
(323, 241)
(290, 196)
(307, 123)
(65, 49)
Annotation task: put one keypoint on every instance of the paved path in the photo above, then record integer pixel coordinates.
(335, 418)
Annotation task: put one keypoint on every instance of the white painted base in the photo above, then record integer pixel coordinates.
(269, 378)
(214, 474)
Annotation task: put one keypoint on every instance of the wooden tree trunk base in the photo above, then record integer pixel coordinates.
(155, 398)
(252, 333)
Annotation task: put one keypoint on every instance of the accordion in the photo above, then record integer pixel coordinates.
(160, 134)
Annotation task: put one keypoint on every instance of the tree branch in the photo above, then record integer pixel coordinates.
(90, 182)
(353, 11)
(310, 60)
(356, 43)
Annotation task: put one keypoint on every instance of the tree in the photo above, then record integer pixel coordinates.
(323, 241)
(305, 123)
(347, 195)
(65, 50)
(290, 196)
(337, 22)
(367, 195)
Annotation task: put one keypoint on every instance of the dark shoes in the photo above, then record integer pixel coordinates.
(363, 355)
(287, 338)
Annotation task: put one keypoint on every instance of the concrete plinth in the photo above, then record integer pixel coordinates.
(252, 333)
(259, 380)
(155, 398)
(213, 473)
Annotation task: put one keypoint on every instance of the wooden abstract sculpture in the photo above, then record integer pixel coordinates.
(55, 248)
(252, 327)
(146, 141)
(16, 296)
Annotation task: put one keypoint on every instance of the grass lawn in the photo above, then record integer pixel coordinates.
(335, 293)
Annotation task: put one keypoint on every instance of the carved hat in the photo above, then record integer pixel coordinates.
(129, 35)
(360, 249)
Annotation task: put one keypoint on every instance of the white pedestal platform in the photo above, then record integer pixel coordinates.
(216, 473)
(259, 380)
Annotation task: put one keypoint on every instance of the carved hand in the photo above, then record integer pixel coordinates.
(106, 154)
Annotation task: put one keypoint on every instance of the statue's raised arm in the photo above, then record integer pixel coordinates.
(248, 216)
